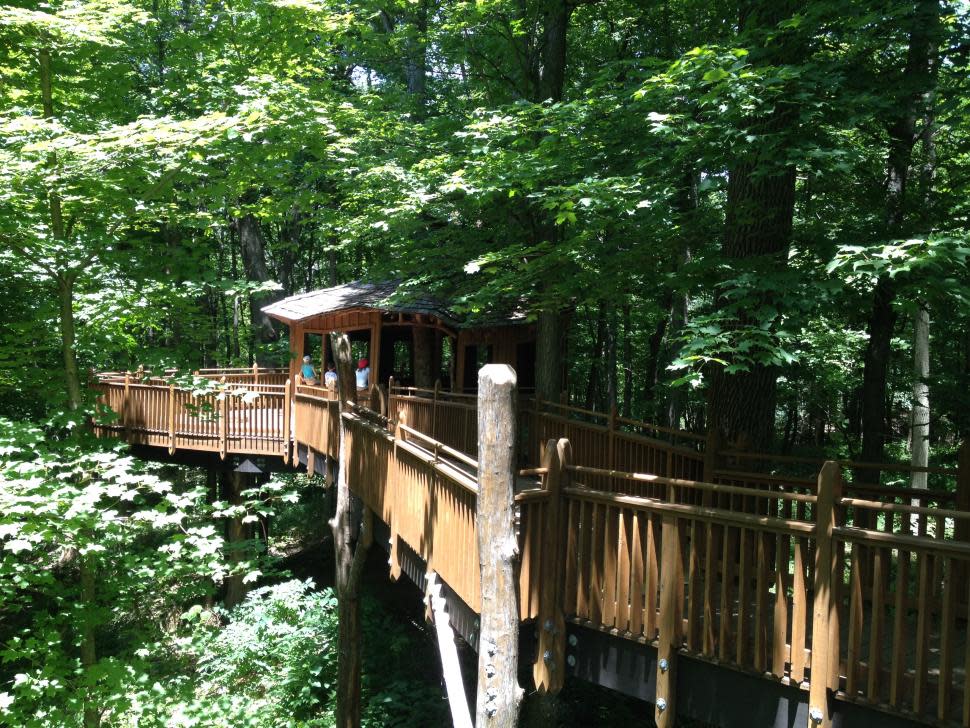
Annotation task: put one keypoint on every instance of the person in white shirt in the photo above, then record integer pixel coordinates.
(330, 378)
(363, 374)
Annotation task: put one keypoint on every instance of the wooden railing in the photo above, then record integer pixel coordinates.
(222, 417)
(859, 591)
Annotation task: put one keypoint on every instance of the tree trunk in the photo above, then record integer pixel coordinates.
(65, 280)
(627, 363)
(417, 64)
(757, 230)
(611, 378)
(234, 483)
(920, 416)
(65, 290)
(423, 343)
(348, 561)
(549, 356)
(252, 245)
(499, 694)
(89, 654)
(917, 83)
(593, 382)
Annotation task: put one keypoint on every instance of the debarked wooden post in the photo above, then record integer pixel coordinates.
(548, 672)
(825, 611)
(671, 568)
(499, 694)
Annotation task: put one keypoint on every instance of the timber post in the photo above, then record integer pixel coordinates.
(669, 628)
(125, 406)
(962, 525)
(499, 694)
(825, 609)
(548, 672)
(286, 421)
(349, 560)
(255, 373)
(224, 425)
(171, 418)
(434, 410)
(611, 445)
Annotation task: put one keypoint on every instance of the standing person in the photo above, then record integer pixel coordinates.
(307, 371)
(363, 374)
(330, 378)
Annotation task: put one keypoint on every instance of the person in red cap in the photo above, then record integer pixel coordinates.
(363, 374)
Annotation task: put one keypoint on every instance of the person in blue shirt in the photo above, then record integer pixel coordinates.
(307, 371)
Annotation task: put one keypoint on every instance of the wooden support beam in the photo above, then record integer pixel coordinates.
(825, 612)
(671, 568)
(287, 399)
(548, 672)
(499, 694)
(171, 418)
(450, 666)
(224, 424)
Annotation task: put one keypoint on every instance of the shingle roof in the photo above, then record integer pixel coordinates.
(357, 294)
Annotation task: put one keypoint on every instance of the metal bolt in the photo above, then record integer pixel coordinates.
(548, 625)
(547, 656)
(661, 705)
(571, 660)
(664, 664)
(573, 640)
(816, 715)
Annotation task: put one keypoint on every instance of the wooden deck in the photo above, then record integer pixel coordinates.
(853, 596)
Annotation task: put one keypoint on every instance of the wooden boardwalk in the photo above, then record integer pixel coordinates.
(851, 597)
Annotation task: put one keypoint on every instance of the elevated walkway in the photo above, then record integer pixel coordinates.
(742, 589)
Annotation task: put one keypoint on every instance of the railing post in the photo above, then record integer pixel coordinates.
(825, 609)
(171, 418)
(671, 567)
(224, 425)
(548, 672)
(434, 410)
(961, 530)
(611, 444)
(125, 406)
(255, 373)
(286, 422)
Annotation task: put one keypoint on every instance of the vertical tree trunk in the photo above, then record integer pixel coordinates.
(917, 83)
(417, 64)
(757, 231)
(422, 339)
(627, 363)
(252, 245)
(920, 416)
(593, 382)
(348, 561)
(65, 281)
(89, 654)
(499, 694)
(548, 356)
(612, 390)
(234, 483)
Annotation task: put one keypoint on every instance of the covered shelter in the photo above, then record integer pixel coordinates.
(418, 340)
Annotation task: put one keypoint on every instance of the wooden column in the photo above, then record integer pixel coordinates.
(825, 611)
(126, 406)
(374, 358)
(549, 669)
(171, 418)
(671, 568)
(296, 349)
(287, 401)
(499, 694)
(224, 424)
